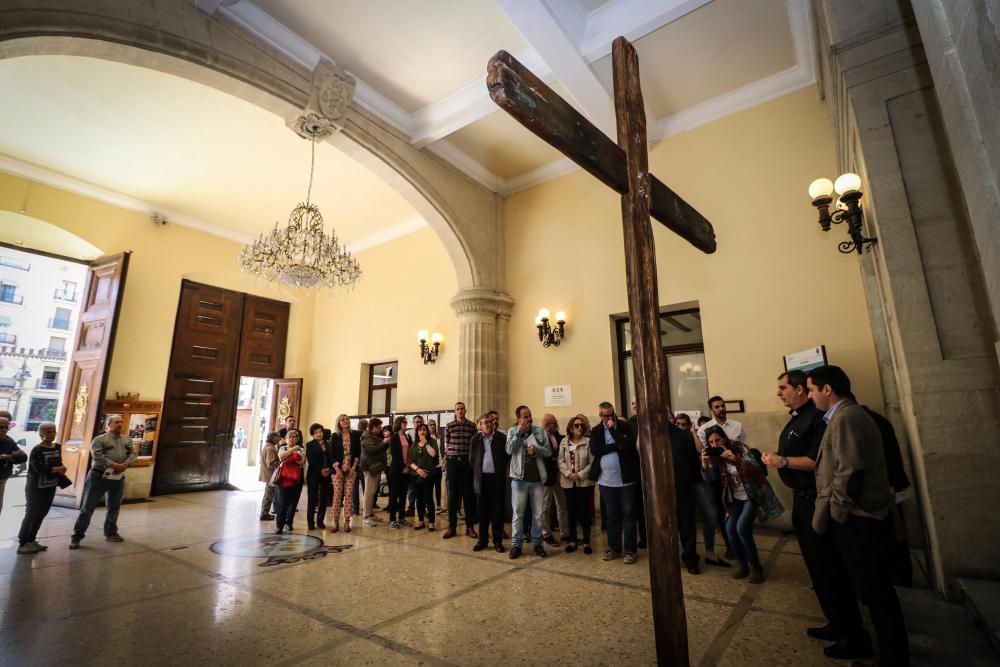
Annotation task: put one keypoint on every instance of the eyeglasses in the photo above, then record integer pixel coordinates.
(579, 425)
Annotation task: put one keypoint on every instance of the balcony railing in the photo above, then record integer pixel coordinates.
(15, 264)
(10, 297)
(7, 384)
(65, 295)
(8, 339)
(59, 323)
(47, 383)
(52, 352)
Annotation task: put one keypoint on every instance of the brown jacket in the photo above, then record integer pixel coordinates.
(850, 469)
(268, 461)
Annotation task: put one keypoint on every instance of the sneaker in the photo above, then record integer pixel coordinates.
(393, 525)
(28, 548)
(40, 547)
(611, 554)
(369, 523)
(74, 542)
(630, 558)
(114, 537)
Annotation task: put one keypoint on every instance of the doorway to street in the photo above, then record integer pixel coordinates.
(254, 409)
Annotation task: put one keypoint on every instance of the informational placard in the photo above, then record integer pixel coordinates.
(806, 360)
(560, 395)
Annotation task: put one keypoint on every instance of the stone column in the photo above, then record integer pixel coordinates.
(930, 288)
(482, 356)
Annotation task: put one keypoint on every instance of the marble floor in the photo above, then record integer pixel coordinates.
(387, 597)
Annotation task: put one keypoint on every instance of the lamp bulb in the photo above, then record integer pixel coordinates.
(821, 187)
(437, 338)
(560, 316)
(538, 321)
(543, 313)
(847, 183)
(422, 335)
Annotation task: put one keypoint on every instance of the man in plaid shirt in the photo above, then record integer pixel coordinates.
(458, 437)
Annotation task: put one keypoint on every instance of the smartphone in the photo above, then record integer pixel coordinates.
(715, 451)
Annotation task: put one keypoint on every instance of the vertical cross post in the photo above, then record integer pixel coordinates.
(649, 363)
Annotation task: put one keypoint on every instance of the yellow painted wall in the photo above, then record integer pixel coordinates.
(776, 284)
(161, 258)
(406, 287)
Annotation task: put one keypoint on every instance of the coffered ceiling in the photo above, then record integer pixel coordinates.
(151, 141)
(421, 65)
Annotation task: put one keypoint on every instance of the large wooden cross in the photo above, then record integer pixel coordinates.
(624, 167)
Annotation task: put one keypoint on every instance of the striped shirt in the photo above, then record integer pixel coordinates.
(458, 437)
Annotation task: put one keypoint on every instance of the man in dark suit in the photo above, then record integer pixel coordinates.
(616, 471)
(488, 458)
(687, 474)
(853, 503)
(795, 461)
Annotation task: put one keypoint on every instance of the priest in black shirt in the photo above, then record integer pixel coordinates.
(795, 462)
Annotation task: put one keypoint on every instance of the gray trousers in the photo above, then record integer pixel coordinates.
(554, 496)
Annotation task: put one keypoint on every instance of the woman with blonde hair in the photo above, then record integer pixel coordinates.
(574, 462)
(345, 456)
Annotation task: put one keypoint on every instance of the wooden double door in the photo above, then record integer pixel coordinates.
(219, 336)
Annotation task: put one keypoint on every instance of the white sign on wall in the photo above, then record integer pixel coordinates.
(806, 360)
(558, 396)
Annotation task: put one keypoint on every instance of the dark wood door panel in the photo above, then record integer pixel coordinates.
(200, 397)
(265, 327)
(88, 370)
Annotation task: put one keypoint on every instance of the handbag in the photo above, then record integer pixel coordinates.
(289, 473)
(768, 505)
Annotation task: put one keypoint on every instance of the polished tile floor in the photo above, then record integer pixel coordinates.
(405, 597)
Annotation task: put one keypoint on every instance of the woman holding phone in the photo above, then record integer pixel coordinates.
(422, 461)
(742, 485)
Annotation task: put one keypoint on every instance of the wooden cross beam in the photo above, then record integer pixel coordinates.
(625, 169)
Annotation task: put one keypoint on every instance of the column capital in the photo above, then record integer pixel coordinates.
(482, 301)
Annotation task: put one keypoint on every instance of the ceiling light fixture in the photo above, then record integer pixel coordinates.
(301, 254)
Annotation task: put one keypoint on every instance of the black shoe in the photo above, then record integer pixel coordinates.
(693, 569)
(570, 548)
(320, 525)
(479, 546)
(540, 551)
(718, 562)
(267, 517)
(311, 526)
(550, 540)
(587, 550)
(642, 544)
(515, 552)
(499, 548)
(826, 632)
(845, 650)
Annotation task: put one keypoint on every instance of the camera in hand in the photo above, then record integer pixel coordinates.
(715, 451)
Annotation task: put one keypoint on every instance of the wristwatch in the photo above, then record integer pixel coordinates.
(784, 461)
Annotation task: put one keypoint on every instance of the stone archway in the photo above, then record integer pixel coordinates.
(175, 37)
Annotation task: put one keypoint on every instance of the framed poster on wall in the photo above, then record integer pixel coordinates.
(142, 424)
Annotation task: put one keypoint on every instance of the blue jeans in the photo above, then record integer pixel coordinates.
(95, 488)
(620, 504)
(520, 492)
(739, 526)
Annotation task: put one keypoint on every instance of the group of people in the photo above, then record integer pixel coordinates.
(840, 460)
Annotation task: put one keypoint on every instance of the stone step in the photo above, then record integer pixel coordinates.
(982, 597)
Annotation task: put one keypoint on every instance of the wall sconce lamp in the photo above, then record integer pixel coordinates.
(848, 209)
(429, 353)
(546, 333)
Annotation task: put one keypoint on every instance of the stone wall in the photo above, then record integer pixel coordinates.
(928, 292)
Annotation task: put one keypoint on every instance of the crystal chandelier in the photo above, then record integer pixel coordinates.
(301, 254)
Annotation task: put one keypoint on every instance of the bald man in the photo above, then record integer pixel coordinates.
(553, 489)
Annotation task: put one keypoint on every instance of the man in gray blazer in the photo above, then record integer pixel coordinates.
(853, 502)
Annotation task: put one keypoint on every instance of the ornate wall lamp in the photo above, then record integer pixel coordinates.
(546, 333)
(848, 209)
(429, 353)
